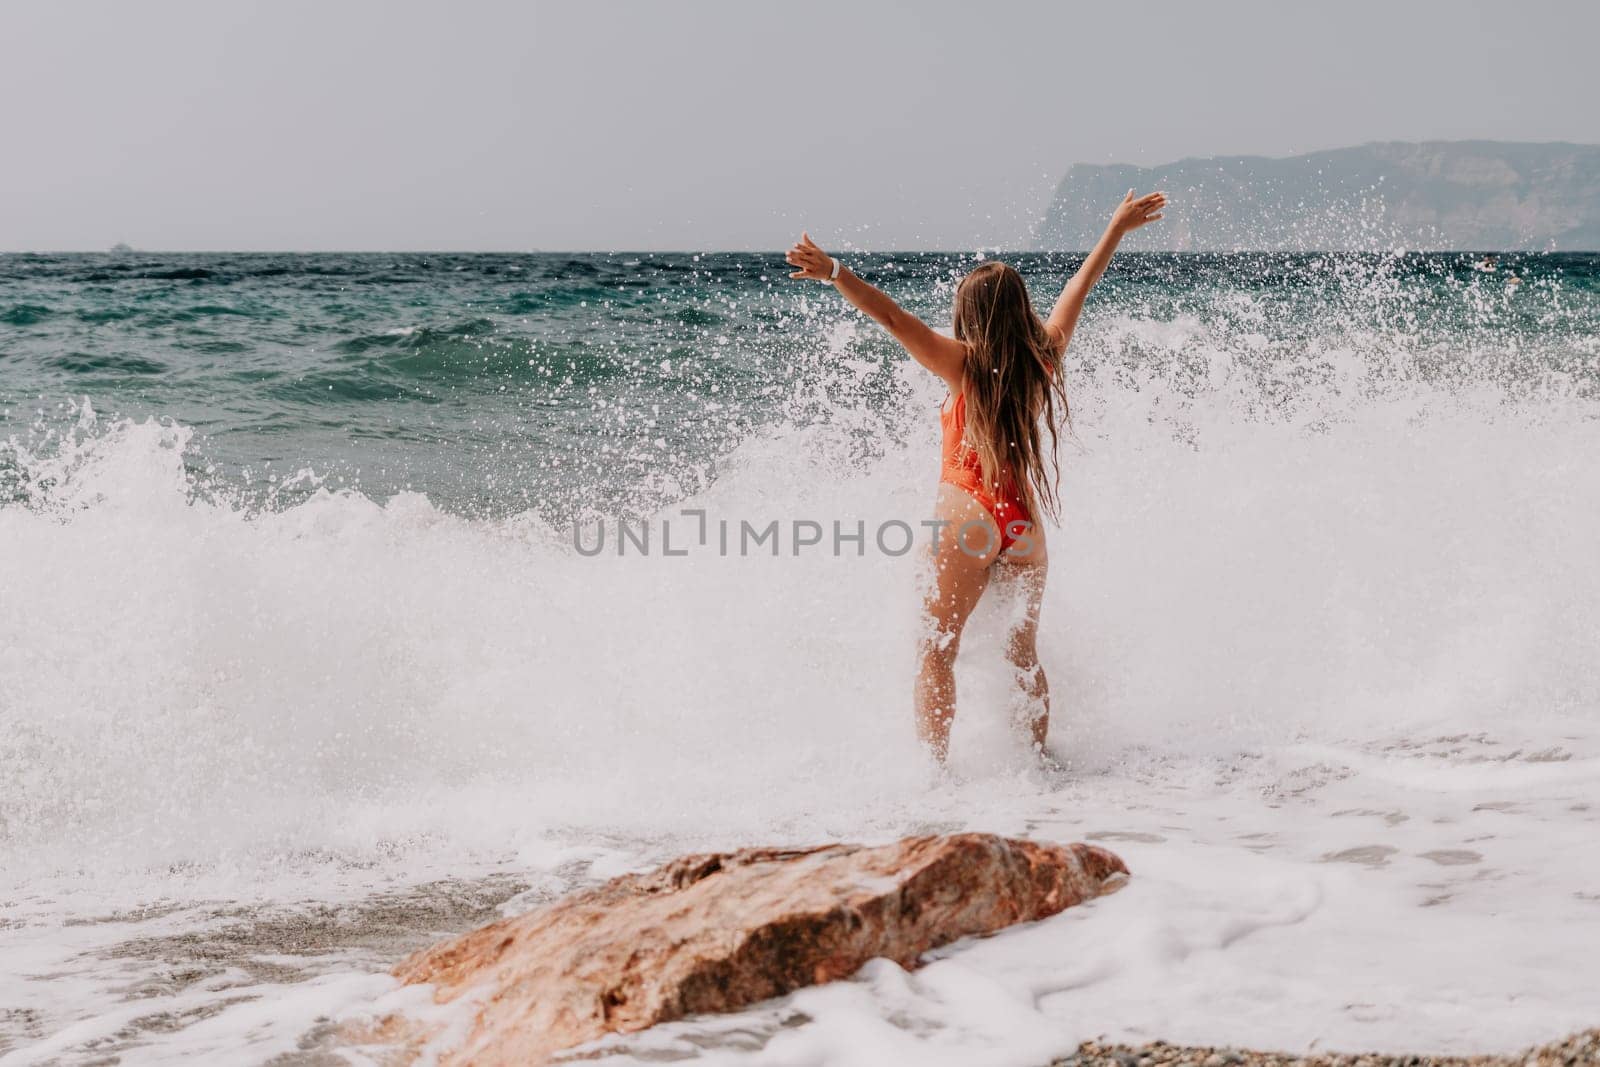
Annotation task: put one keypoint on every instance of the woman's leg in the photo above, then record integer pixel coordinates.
(1028, 572)
(960, 564)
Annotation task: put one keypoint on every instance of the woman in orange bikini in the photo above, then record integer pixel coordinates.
(1003, 368)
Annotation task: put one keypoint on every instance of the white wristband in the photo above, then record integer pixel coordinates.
(835, 275)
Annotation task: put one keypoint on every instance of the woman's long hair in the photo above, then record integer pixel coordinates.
(1012, 383)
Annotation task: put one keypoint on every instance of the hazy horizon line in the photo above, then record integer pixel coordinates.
(1000, 249)
(975, 252)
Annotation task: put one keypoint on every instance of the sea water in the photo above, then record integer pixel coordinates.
(304, 665)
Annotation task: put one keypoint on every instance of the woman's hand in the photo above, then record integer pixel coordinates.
(812, 261)
(1129, 216)
(1131, 213)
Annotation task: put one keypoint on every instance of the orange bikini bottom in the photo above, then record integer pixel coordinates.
(1008, 513)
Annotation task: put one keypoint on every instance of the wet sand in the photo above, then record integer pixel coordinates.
(1578, 1050)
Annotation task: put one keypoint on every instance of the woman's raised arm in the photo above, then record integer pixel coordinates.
(945, 356)
(1129, 216)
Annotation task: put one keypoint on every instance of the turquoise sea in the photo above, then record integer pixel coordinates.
(501, 383)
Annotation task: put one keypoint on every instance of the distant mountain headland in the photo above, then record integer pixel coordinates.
(1425, 195)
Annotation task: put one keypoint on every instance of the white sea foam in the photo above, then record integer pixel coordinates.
(1294, 651)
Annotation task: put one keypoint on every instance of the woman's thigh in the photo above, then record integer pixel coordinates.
(960, 559)
(1021, 570)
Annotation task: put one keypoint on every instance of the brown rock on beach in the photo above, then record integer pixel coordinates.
(716, 932)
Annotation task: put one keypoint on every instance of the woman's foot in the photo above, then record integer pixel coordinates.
(1051, 763)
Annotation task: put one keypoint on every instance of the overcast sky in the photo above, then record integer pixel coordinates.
(347, 124)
